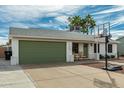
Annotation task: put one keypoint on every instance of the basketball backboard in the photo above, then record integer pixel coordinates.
(102, 30)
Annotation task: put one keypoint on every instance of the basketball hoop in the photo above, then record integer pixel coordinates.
(103, 31)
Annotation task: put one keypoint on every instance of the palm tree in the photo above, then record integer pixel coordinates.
(90, 23)
(83, 24)
(74, 22)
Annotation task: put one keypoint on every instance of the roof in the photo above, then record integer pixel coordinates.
(110, 40)
(51, 34)
(120, 38)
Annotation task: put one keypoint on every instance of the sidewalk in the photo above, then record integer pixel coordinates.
(13, 76)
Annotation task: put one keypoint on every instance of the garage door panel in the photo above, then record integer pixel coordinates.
(32, 52)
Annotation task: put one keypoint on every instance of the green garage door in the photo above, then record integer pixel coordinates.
(36, 52)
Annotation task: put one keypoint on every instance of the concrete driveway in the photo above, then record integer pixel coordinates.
(13, 76)
(73, 76)
(57, 76)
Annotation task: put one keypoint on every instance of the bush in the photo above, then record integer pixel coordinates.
(112, 56)
(108, 56)
(122, 55)
(101, 56)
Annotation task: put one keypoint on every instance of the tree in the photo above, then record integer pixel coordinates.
(90, 23)
(74, 22)
(83, 24)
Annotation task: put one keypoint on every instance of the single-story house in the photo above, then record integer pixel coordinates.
(121, 46)
(33, 46)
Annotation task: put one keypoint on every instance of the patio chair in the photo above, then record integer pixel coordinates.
(76, 57)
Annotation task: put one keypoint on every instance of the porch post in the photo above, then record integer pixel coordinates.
(69, 55)
(90, 51)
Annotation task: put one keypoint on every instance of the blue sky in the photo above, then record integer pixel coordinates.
(55, 17)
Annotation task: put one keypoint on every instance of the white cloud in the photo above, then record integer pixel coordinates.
(45, 25)
(62, 19)
(116, 9)
(22, 13)
(71, 9)
(22, 25)
(117, 21)
(3, 41)
(14, 14)
(117, 33)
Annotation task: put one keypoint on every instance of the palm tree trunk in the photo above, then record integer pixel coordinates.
(87, 30)
(91, 31)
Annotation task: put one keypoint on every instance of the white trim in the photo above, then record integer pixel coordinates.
(40, 39)
(15, 52)
(85, 38)
(56, 40)
(69, 55)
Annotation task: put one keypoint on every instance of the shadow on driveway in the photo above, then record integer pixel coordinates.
(5, 65)
(102, 84)
(61, 64)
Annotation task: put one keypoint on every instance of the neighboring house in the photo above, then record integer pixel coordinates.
(31, 46)
(2, 50)
(121, 46)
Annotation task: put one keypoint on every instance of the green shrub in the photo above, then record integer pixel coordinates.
(108, 56)
(101, 56)
(112, 56)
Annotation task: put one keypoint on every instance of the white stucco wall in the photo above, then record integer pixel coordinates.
(114, 49)
(91, 54)
(15, 52)
(91, 51)
(69, 55)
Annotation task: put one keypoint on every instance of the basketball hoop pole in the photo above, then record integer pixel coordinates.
(107, 36)
(106, 57)
(106, 45)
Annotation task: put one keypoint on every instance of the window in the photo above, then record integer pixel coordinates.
(71, 28)
(98, 48)
(77, 27)
(95, 48)
(109, 48)
(75, 47)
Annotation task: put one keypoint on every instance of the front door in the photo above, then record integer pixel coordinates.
(86, 50)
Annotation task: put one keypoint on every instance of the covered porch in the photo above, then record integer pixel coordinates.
(79, 51)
